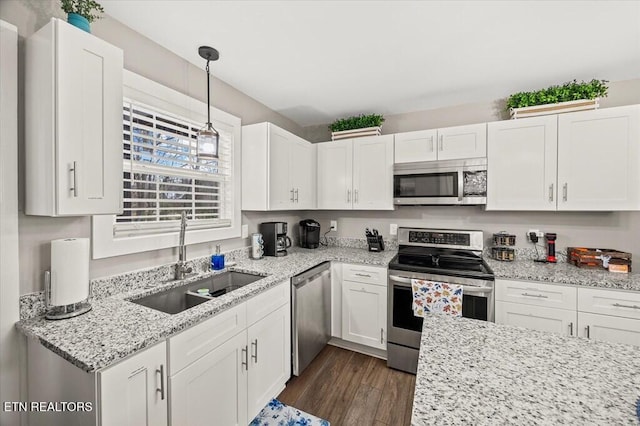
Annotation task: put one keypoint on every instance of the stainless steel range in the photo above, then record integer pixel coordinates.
(441, 255)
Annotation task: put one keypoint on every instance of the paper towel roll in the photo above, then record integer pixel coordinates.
(69, 271)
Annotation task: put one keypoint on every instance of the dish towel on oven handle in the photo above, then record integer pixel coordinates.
(436, 297)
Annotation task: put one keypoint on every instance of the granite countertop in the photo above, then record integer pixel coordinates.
(564, 273)
(116, 328)
(480, 373)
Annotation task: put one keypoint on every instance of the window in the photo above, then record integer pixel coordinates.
(163, 175)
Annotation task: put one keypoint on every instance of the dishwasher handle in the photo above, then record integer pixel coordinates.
(311, 274)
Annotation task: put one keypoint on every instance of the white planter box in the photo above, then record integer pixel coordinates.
(356, 133)
(560, 107)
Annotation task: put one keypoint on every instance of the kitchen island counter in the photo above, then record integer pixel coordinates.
(481, 373)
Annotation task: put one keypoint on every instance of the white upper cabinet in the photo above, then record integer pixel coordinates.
(588, 160)
(73, 111)
(278, 169)
(449, 143)
(356, 174)
(599, 159)
(522, 164)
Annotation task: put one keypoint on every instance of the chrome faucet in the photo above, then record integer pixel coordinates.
(181, 266)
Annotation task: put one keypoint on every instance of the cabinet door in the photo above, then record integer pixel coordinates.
(415, 146)
(598, 159)
(522, 164)
(269, 358)
(134, 391)
(213, 390)
(373, 173)
(364, 314)
(609, 328)
(561, 321)
(462, 142)
(335, 175)
(281, 194)
(303, 173)
(89, 124)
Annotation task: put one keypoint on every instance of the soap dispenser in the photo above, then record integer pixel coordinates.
(217, 260)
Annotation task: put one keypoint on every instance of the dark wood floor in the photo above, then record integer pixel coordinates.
(348, 388)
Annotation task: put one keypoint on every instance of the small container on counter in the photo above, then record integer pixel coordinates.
(503, 253)
(503, 241)
(217, 260)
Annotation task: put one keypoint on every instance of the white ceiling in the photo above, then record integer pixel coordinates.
(315, 61)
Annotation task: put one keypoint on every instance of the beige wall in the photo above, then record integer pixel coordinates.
(151, 60)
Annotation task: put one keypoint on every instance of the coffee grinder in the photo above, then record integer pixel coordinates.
(551, 247)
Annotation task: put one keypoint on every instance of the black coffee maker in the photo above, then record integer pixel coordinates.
(276, 241)
(309, 234)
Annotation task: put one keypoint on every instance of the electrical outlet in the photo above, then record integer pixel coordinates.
(393, 229)
(245, 231)
(537, 232)
(333, 225)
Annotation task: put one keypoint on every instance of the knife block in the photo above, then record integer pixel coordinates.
(375, 243)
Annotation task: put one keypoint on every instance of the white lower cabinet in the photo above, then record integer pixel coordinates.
(213, 387)
(561, 321)
(609, 328)
(237, 375)
(364, 306)
(600, 314)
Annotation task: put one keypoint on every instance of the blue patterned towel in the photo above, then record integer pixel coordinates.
(278, 414)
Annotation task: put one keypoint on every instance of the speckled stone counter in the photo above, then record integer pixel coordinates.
(564, 273)
(116, 328)
(479, 373)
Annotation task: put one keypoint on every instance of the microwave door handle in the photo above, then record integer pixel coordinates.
(460, 184)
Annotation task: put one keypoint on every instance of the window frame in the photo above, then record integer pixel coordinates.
(143, 90)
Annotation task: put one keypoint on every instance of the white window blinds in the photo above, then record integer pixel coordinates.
(163, 175)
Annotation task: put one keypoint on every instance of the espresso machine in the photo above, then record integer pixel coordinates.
(276, 241)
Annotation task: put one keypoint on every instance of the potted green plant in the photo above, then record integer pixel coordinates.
(358, 125)
(570, 96)
(80, 13)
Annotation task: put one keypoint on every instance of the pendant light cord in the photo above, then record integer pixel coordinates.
(208, 98)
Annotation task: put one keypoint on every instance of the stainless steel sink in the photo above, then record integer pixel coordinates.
(178, 299)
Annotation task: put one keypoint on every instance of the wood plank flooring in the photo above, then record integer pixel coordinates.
(348, 388)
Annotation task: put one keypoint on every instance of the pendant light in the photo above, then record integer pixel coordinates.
(208, 137)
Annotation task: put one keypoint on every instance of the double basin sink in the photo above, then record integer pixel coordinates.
(178, 299)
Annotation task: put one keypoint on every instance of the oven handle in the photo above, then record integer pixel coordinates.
(467, 288)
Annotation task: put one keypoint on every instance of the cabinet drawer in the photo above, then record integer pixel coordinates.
(609, 302)
(364, 274)
(200, 339)
(538, 294)
(561, 321)
(267, 302)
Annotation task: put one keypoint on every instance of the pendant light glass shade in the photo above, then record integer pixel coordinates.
(208, 137)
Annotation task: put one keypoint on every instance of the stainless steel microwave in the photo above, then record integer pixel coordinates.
(449, 182)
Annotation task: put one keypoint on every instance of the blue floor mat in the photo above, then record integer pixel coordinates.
(275, 413)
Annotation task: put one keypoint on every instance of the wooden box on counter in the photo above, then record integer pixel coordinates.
(584, 257)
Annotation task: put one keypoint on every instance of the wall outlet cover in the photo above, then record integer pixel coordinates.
(393, 229)
(333, 225)
(245, 231)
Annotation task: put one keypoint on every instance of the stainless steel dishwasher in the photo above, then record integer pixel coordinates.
(310, 314)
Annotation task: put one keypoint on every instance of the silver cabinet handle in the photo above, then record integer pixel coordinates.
(571, 329)
(74, 170)
(254, 345)
(381, 335)
(441, 142)
(245, 356)
(161, 390)
(588, 332)
(551, 192)
(535, 295)
(348, 195)
(355, 196)
(620, 305)
(292, 199)
(296, 195)
(564, 191)
(362, 275)
(431, 143)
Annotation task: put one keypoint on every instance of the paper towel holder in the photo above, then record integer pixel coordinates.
(61, 312)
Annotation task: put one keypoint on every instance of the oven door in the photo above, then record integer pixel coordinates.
(404, 328)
